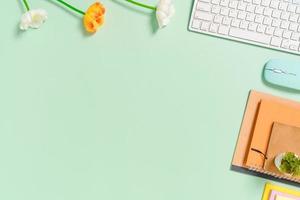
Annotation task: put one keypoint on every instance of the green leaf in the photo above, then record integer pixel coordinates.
(290, 164)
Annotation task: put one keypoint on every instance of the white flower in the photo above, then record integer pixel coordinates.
(33, 19)
(164, 12)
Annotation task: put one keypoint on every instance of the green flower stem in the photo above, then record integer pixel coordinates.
(71, 7)
(141, 4)
(26, 5)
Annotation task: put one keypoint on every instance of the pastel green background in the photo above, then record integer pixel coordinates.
(129, 113)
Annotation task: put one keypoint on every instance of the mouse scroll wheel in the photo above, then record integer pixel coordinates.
(280, 71)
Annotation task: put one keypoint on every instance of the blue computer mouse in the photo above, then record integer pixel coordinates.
(283, 73)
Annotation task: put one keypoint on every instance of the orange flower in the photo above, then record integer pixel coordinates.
(94, 17)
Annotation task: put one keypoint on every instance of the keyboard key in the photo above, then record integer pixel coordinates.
(241, 6)
(285, 15)
(223, 30)
(257, 2)
(215, 9)
(275, 22)
(216, 2)
(203, 6)
(284, 24)
(204, 26)
(275, 41)
(241, 15)
(295, 36)
(258, 19)
(294, 17)
(250, 8)
(267, 21)
(278, 32)
(244, 24)
(233, 13)
(233, 4)
(218, 19)
(274, 4)
(276, 13)
(226, 21)
(247, 35)
(291, 8)
(250, 17)
(213, 28)
(265, 3)
(285, 44)
(283, 6)
(294, 45)
(267, 12)
(224, 3)
(235, 23)
(261, 28)
(293, 26)
(224, 11)
(196, 24)
(204, 16)
(252, 26)
(269, 30)
(259, 10)
(287, 34)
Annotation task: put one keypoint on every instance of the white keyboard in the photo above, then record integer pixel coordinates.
(269, 23)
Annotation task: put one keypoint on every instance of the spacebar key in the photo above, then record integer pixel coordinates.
(250, 35)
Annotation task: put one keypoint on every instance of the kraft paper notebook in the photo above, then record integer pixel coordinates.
(269, 112)
(284, 138)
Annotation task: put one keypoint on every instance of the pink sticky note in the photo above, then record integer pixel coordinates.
(275, 194)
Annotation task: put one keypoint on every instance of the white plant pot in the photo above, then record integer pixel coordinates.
(278, 159)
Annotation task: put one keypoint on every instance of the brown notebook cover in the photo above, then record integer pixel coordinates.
(284, 138)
